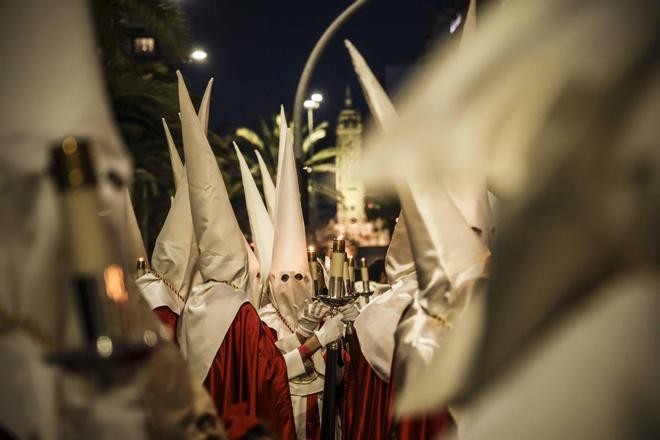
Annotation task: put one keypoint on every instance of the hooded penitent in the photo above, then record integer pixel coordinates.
(260, 222)
(289, 278)
(376, 324)
(174, 259)
(49, 96)
(399, 260)
(269, 186)
(223, 257)
(174, 256)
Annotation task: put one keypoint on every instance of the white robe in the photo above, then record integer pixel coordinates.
(299, 384)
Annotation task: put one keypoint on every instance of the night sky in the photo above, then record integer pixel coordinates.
(257, 50)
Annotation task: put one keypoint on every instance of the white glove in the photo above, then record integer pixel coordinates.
(331, 330)
(309, 321)
(350, 312)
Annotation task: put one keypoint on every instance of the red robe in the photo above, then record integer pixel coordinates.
(249, 368)
(366, 402)
(368, 407)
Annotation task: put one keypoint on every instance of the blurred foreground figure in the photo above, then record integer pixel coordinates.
(78, 362)
(557, 103)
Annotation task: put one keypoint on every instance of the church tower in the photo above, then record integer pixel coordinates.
(350, 206)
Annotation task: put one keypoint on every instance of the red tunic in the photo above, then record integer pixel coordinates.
(366, 403)
(249, 368)
(368, 407)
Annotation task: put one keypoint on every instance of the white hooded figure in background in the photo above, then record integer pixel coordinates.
(291, 313)
(448, 256)
(223, 257)
(46, 98)
(377, 322)
(174, 259)
(261, 227)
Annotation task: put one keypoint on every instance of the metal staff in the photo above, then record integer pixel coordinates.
(337, 297)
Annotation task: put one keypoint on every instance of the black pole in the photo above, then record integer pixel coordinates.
(301, 91)
(330, 398)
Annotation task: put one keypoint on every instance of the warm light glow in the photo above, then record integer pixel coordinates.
(317, 97)
(309, 104)
(198, 55)
(114, 284)
(311, 249)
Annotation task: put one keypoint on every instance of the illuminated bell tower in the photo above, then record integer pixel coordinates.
(350, 206)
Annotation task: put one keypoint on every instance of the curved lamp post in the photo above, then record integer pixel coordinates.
(303, 83)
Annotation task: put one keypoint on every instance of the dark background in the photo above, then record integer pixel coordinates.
(257, 50)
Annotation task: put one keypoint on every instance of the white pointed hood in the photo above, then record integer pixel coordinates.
(174, 256)
(379, 103)
(175, 159)
(260, 223)
(289, 279)
(269, 186)
(205, 106)
(448, 255)
(133, 245)
(223, 256)
(398, 261)
(283, 129)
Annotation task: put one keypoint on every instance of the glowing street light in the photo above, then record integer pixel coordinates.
(198, 55)
(312, 104)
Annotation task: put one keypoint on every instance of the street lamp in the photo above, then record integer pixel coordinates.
(198, 55)
(312, 104)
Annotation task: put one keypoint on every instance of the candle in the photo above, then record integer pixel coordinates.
(336, 268)
(140, 268)
(311, 259)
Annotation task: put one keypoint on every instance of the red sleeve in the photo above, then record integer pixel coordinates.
(249, 368)
(169, 318)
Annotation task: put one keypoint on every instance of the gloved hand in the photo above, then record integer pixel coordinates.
(331, 330)
(350, 312)
(309, 321)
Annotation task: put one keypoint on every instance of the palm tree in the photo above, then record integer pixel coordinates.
(143, 89)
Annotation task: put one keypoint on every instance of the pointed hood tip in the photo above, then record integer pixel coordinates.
(214, 220)
(289, 244)
(269, 187)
